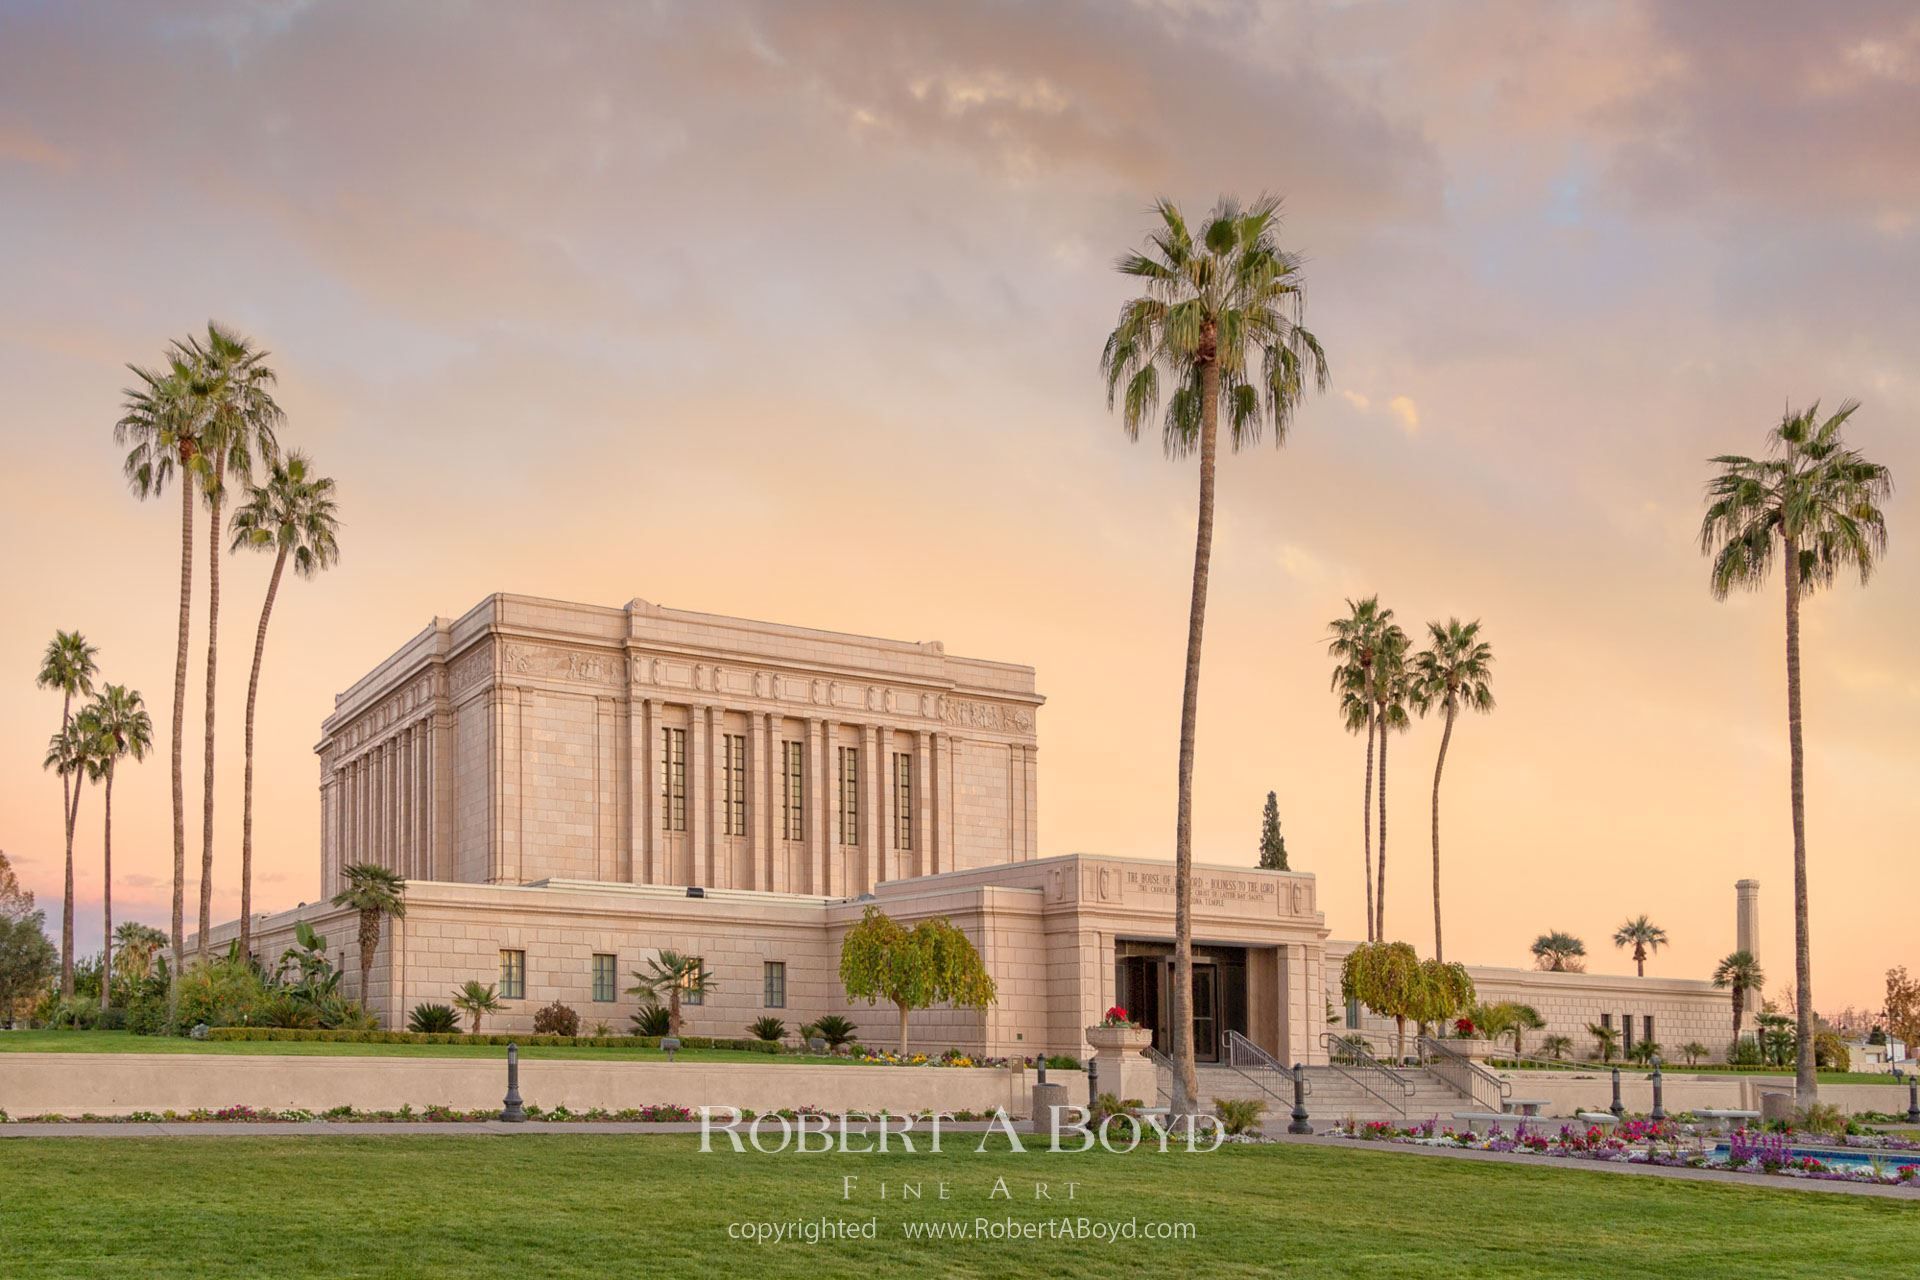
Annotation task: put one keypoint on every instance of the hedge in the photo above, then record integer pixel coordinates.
(454, 1037)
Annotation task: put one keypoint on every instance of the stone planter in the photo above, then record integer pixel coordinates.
(1119, 1041)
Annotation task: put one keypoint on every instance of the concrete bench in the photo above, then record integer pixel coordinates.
(1489, 1118)
(1527, 1106)
(1723, 1119)
(1605, 1119)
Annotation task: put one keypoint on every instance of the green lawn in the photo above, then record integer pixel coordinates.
(126, 1042)
(617, 1206)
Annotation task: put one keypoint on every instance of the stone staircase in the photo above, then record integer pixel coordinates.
(1334, 1095)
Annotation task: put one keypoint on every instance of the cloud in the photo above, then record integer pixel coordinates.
(1403, 408)
(1357, 400)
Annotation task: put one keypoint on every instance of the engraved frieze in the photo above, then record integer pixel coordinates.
(991, 716)
(560, 664)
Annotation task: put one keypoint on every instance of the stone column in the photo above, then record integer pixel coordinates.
(823, 788)
(872, 856)
(653, 837)
(886, 856)
(763, 809)
(943, 814)
(698, 825)
(922, 859)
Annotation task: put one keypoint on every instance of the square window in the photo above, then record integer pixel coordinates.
(605, 979)
(774, 980)
(513, 975)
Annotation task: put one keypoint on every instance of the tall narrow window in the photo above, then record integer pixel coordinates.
(513, 975)
(902, 800)
(1646, 1027)
(673, 778)
(774, 980)
(793, 793)
(1626, 1033)
(849, 795)
(734, 748)
(604, 980)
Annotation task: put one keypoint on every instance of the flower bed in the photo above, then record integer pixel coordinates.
(657, 1113)
(1653, 1142)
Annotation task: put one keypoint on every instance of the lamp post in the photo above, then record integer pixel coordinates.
(1618, 1108)
(1299, 1124)
(512, 1112)
(1659, 1102)
(670, 1045)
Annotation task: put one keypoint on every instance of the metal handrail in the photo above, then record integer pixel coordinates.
(1367, 1071)
(1464, 1075)
(1259, 1067)
(1161, 1062)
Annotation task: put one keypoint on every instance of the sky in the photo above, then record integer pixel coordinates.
(793, 311)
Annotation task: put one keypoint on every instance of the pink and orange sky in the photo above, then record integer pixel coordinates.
(793, 310)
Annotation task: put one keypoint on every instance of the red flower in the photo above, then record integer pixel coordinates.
(1116, 1014)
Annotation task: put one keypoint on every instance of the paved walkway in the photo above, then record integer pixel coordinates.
(770, 1131)
(1725, 1177)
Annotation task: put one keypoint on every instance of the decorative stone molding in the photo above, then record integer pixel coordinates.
(991, 716)
(470, 668)
(561, 664)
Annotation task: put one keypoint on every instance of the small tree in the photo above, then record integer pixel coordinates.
(1387, 977)
(1273, 845)
(932, 963)
(374, 892)
(1693, 1051)
(1903, 1008)
(1446, 992)
(1557, 1047)
(475, 999)
(1605, 1040)
(27, 960)
(674, 976)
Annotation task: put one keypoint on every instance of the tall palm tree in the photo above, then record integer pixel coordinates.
(240, 421)
(1816, 503)
(69, 753)
(1455, 670)
(1741, 972)
(1644, 936)
(1220, 322)
(374, 892)
(163, 419)
(1354, 640)
(1392, 685)
(1559, 952)
(67, 665)
(118, 721)
(293, 515)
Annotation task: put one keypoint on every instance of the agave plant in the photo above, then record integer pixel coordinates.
(440, 1018)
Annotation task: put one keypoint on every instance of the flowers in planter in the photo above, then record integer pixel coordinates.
(1463, 1027)
(1117, 1017)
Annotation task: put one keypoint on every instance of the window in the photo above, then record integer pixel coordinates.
(902, 800)
(513, 975)
(849, 795)
(605, 982)
(1646, 1027)
(1626, 1033)
(774, 979)
(673, 779)
(734, 750)
(792, 796)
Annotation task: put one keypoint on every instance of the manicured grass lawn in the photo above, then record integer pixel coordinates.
(126, 1042)
(648, 1206)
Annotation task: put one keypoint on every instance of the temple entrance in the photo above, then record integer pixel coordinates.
(1143, 985)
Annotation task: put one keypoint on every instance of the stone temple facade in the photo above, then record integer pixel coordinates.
(570, 789)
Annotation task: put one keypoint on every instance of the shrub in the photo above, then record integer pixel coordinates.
(768, 1028)
(1063, 1062)
(1239, 1115)
(835, 1030)
(557, 1020)
(1822, 1118)
(652, 1020)
(433, 1018)
(222, 993)
(1745, 1052)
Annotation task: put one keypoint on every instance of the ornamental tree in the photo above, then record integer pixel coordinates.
(1273, 845)
(929, 964)
(1387, 977)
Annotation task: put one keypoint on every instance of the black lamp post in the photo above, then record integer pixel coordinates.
(512, 1112)
(1299, 1124)
(1659, 1104)
(670, 1045)
(1618, 1108)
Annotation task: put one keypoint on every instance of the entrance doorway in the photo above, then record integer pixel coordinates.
(1143, 983)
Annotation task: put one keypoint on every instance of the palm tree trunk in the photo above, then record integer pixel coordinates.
(1440, 762)
(1380, 880)
(1366, 826)
(179, 723)
(1186, 1083)
(106, 897)
(213, 656)
(67, 815)
(1806, 1082)
(369, 940)
(66, 911)
(246, 805)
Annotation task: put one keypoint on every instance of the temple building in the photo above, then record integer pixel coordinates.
(570, 789)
